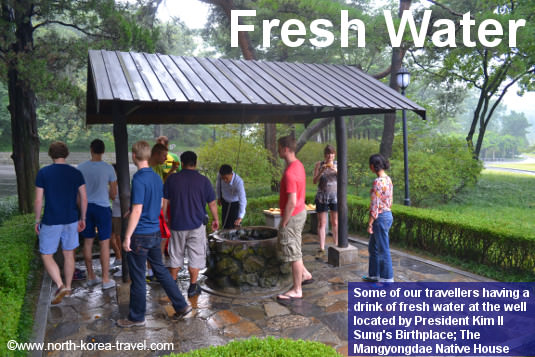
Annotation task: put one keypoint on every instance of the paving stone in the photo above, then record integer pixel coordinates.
(336, 280)
(102, 324)
(337, 322)
(275, 309)
(253, 313)
(242, 329)
(339, 306)
(315, 332)
(223, 318)
(63, 331)
(321, 315)
(343, 350)
(60, 313)
(279, 323)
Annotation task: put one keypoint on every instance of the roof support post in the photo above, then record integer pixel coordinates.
(341, 148)
(120, 135)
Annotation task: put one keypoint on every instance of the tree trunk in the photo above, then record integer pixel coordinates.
(310, 131)
(22, 107)
(387, 139)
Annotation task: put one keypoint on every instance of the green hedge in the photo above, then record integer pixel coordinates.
(267, 347)
(436, 232)
(17, 239)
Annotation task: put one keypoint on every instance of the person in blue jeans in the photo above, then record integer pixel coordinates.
(379, 223)
(142, 240)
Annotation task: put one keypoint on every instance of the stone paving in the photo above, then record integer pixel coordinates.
(89, 314)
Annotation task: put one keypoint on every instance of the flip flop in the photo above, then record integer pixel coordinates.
(284, 297)
(308, 281)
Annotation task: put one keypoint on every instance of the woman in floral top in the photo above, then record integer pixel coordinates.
(379, 223)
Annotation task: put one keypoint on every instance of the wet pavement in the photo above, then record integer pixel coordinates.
(87, 319)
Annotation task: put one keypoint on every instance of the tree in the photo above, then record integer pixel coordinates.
(491, 70)
(35, 57)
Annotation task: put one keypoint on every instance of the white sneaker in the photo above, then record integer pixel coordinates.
(92, 282)
(110, 284)
(116, 263)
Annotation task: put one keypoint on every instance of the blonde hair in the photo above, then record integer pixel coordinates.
(142, 150)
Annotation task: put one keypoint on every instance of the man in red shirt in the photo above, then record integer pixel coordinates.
(293, 217)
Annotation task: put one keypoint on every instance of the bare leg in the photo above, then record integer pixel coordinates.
(193, 275)
(322, 222)
(163, 243)
(88, 258)
(298, 269)
(174, 272)
(306, 274)
(105, 259)
(334, 226)
(68, 267)
(115, 243)
(52, 268)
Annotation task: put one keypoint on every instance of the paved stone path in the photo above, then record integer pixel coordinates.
(89, 315)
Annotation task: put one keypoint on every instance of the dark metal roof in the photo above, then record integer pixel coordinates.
(158, 89)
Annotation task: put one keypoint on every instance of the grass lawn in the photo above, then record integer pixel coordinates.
(501, 200)
(528, 167)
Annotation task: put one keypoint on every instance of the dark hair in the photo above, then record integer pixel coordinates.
(164, 140)
(58, 150)
(379, 162)
(188, 158)
(158, 148)
(329, 149)
(287, 141)
(97, 146)
(225, 170)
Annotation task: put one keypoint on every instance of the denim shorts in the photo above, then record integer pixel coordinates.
(50, 236)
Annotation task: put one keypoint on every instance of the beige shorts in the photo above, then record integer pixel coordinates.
(289, 238)
(116, 225)
(191, 244)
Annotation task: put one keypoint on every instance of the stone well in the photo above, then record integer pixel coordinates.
(246, 258)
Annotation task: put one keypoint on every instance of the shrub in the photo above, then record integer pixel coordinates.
(444, 233)
(17, 239)
(439, 168)
(268, 347)
(9, 206)
(253, 165)
(311, 153)
(358, 171)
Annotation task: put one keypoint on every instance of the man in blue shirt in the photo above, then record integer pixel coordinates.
(231, 196)
(188, 192)
(101, 183)
(60, 184)
(142, 240)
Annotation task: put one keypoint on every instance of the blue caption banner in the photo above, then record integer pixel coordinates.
(441, 319)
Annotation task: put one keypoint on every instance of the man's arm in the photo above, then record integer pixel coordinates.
(83, 207)
(215, 219)
(113, 190)
(165, 204)
(242, 198)
(218, 189)
(135, 213)
(37, 206)
(288, 210)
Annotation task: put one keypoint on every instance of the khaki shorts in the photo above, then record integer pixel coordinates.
(190, 243)
(116, 225)
(289, 238)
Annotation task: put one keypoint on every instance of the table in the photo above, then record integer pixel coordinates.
(273, 219)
